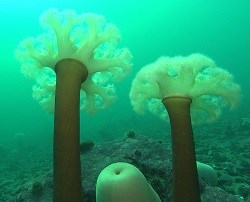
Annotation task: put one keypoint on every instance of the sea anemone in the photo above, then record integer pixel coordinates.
(74, 64)
(123, 182)
(176, 84)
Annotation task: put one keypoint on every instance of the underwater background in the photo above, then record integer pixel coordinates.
(150, 29)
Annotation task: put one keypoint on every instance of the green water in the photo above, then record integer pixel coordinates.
(219, 29)
(150, 29)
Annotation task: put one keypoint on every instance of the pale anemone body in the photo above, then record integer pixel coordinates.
(87, 38)
(196, 77)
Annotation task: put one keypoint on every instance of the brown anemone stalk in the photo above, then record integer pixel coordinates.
(185, 176)
(70, 74)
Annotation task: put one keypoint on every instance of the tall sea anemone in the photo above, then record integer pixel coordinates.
(173, 86)
(74, 64)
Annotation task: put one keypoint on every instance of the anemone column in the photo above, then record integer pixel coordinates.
(185, 176)
(70, 74)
